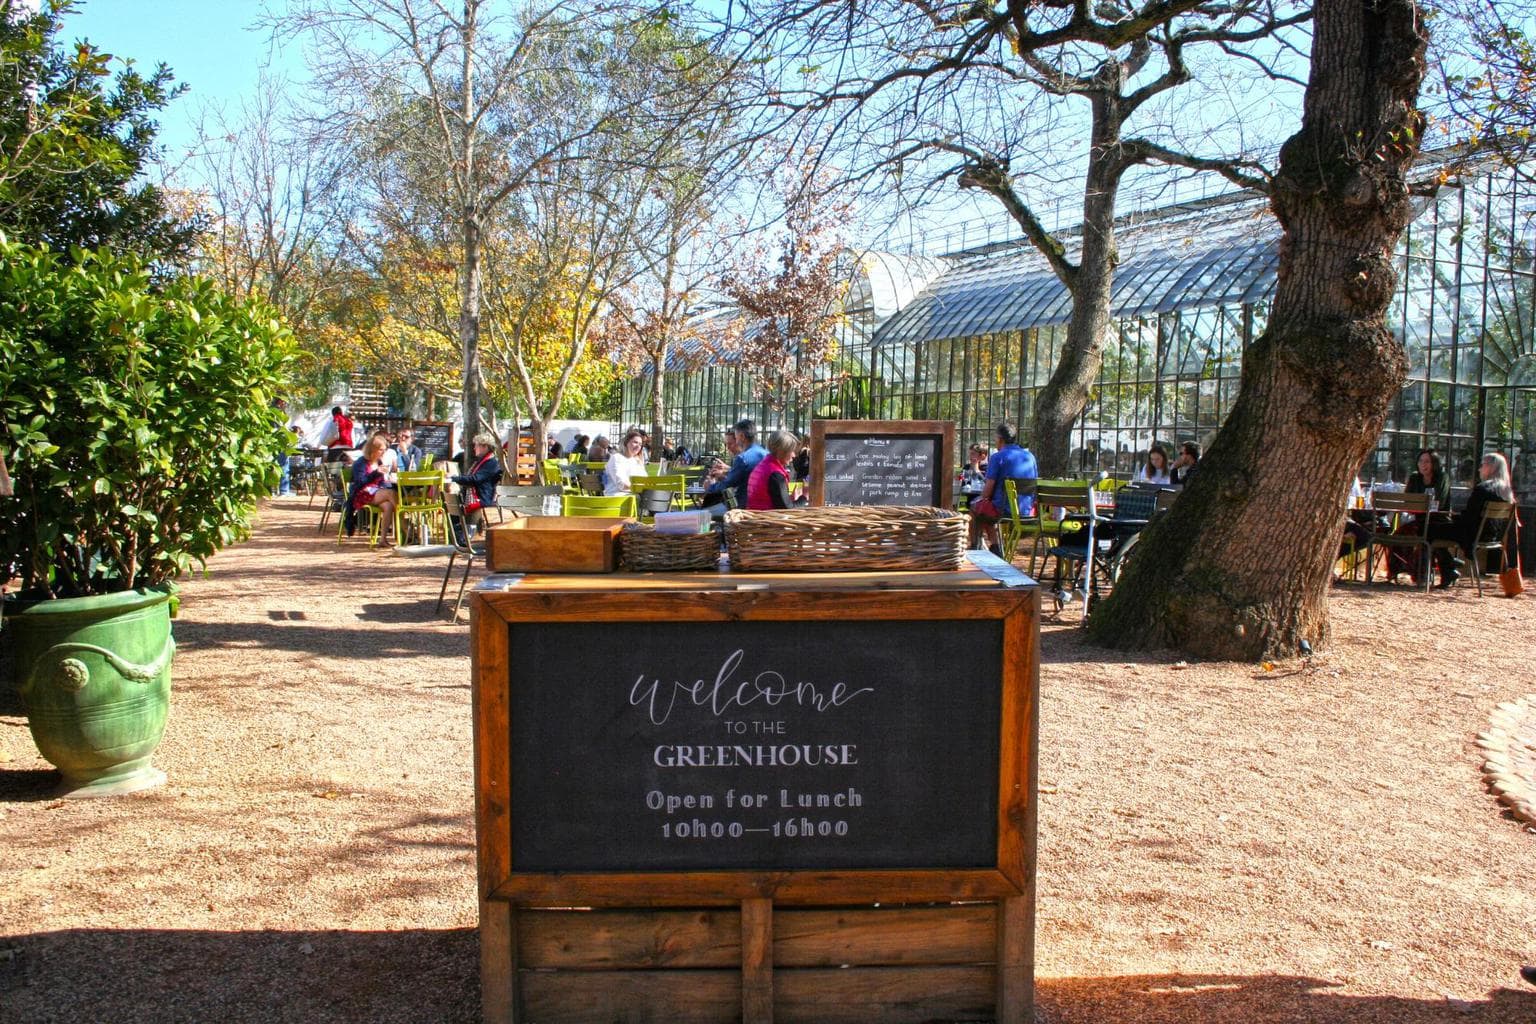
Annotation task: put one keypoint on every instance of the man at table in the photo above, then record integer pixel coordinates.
(407, 455)
(1011, 461)
(749, 455)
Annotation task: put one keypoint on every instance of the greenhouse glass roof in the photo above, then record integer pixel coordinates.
(1220, 253)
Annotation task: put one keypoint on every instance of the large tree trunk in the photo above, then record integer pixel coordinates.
(1065, 395)
(469, 326)
(658, 402)
(1240, 566)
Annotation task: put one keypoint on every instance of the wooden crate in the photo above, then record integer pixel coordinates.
(834, 945)
(554, 544)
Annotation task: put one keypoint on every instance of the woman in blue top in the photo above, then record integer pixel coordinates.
(1011, 461)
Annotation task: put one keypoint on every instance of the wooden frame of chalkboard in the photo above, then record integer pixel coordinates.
(910, 943)
(435, 431)
(899, 433)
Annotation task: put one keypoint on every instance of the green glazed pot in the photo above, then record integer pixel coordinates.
(95, 678)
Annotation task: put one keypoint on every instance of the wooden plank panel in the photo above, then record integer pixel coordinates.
(1016, 765)
(623, 940)
(886, 937)
(1016, 960)
(498, 964)
(489, 683)
(967, 578)
(719, 888)
(631, 997)
(888, 995)
(757, 961)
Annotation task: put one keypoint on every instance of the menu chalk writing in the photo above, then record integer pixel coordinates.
(435, 439)
(755, 745)
(882, 462)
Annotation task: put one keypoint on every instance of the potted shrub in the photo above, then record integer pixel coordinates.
(137, 420)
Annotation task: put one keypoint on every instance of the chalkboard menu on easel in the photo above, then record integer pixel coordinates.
(882, 462)
(434, 438)
(718, 746)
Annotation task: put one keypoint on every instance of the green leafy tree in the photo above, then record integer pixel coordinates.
(75, 139)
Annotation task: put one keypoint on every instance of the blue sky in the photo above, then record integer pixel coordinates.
(209, 45)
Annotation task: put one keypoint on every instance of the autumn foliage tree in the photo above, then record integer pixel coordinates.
(789, 292)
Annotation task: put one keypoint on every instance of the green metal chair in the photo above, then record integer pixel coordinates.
(1015, 527)
(620, 506)
(673, 483)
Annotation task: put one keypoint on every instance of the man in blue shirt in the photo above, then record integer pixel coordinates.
(742, 465)
(1011, 461)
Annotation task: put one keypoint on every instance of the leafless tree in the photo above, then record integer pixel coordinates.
(278, 214)
(914, 94)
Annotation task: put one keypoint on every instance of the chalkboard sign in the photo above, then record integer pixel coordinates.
(882, 462)
(435, 439)
(755, 745)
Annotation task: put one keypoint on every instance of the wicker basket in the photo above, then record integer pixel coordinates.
(642, 549)
(880, 538)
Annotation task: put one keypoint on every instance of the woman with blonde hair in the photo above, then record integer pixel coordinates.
(370, 486)
(1493, 485)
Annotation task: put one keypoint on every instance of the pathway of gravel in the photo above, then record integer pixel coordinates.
(1218, 843)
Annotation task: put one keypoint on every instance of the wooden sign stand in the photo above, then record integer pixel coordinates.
(941, 462)
(826, 945)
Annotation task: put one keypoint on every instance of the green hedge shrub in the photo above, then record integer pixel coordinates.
(135, 415)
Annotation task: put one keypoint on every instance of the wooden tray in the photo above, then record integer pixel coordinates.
(554, 544)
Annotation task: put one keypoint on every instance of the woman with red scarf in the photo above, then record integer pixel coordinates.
(768, 486)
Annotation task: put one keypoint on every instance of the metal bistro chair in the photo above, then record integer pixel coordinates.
(1077, 552)
(420, 505)
(526, 500)
(1396, 504)
(1049, 526)
(672, 483)
(334, 485)
(1492, 535)
(1014, 527)
(465, 545)
(620, 506)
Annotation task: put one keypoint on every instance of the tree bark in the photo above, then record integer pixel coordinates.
(469, 325)
(1240, 566)
(1065, 395)
(658, 401)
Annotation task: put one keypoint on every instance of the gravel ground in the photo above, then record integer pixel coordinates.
(1218, 842)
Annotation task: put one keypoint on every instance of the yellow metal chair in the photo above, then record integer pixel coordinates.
(1014, 527)
(368, 518)
(671, 482)
(619, 505)
(420, 505)
(549, 473)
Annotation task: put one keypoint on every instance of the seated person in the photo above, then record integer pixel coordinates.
(1156, 469)
(1184, 465)
(749, 454)
(1429, 477)
(1011, 461)
(407, 456)
(626, 463)
(478, 483)
(1493, 485)
(974, 477)
(369, 487)
(768, 483)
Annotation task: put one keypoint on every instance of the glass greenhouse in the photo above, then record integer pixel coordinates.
(973, 336)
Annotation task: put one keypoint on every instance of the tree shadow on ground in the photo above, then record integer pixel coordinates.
(321, 640)
(1258, 999)
(318, 977)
